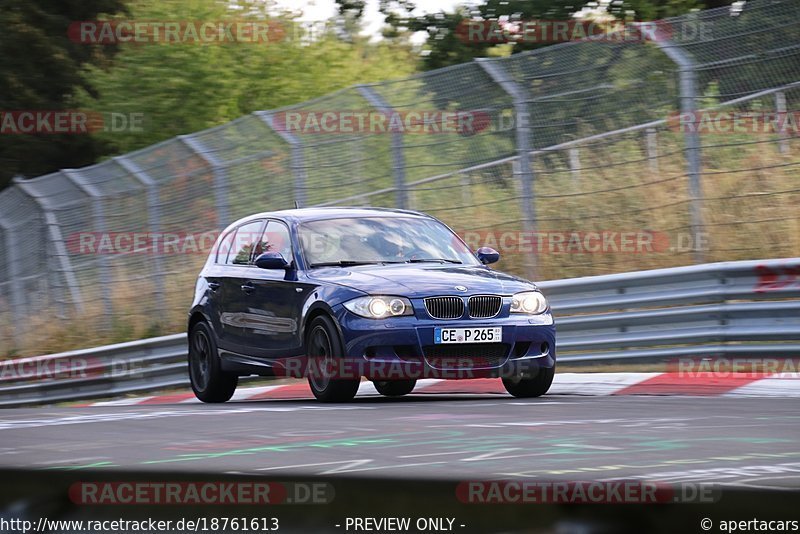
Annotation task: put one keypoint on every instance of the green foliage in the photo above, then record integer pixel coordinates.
(42, 69)
(183, 88)
(444, 45)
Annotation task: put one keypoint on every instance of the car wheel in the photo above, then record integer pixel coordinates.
(209, 382)
(530, 387)
(395, 388)
(324, 348)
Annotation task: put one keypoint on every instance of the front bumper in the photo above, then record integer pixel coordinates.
(403, 347)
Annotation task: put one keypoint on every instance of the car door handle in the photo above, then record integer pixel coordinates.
(248, 288)
(213, 286)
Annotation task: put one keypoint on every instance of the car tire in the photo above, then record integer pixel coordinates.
(324, 347)
(209, 382)
(531, 387)
(395, 388)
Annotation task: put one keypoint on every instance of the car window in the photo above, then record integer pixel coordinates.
(275, 239)
(246, 237)
(224, 247)
(381, 239)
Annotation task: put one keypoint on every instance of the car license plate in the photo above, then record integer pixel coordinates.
(492, 334)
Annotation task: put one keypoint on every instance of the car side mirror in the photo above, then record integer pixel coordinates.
(487, 255)
(272, 260)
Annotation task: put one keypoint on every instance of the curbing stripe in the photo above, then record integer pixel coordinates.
(780, 385)
(694, 384)
(589, 384)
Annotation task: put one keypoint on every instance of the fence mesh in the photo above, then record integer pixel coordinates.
(610, 169)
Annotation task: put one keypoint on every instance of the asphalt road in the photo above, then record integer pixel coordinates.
(747, 442)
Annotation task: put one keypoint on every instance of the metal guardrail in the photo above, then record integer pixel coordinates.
(744, 308)
(734, 309)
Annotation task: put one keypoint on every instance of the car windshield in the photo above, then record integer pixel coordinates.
(366, 240)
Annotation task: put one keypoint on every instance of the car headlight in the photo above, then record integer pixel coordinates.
(380, 307)
(529, 302)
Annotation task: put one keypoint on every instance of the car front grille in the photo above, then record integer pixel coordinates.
(466, 356)
(483, 306)
(445, 307)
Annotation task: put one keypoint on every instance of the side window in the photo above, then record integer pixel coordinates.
(276, 239)
(224, 247)
(246, 237)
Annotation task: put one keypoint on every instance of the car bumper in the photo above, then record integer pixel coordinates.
(404, 347)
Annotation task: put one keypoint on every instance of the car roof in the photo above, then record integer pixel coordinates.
(316, 214)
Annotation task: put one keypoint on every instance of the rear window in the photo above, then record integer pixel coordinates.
(244, 240)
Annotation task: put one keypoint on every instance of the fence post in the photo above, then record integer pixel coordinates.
(780, 108)
(220, 177)
(153, 222)
(466, 189)
(57, 240)
(575, 166)
(398, 157)
(523, 170)
(298, 165)
(99, 219)
(412, 200)
(688, 95)
(14, 280)
(651, 140)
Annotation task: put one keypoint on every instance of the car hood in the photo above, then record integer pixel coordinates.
(423, 280)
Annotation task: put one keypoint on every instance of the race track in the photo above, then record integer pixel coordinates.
(746, 442)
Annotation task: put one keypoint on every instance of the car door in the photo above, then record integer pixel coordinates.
(235, 289)
(214, 276)
(275, 306)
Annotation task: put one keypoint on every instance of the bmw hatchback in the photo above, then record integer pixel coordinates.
(335, 295)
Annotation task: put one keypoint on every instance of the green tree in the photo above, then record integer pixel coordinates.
(42, 69)
(447, 43)
(183, 88)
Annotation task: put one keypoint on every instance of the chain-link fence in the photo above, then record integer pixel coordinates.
(663, 147)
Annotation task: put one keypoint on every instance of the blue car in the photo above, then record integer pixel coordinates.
(340, 294)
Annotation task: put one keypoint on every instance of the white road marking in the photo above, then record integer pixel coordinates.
(433, 454)
(85, 459)
(490, 455)
(124, 402)
(788, 385)
(367, 388)
(246, 393)
(581, 446)
(349, 466)
(136, 415)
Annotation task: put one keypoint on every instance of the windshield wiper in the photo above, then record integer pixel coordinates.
(349, 263)
(424, 260)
